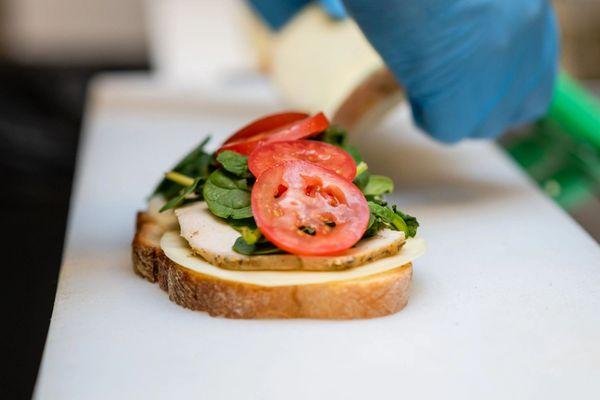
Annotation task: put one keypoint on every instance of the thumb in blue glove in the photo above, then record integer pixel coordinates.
(277, 13)
(335, 8)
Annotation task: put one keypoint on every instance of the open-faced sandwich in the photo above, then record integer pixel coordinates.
(284, 220)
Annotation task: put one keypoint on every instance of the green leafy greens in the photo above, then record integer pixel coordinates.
(373, 187)
(182, 196)
(378, 185)
(196, 163)
(234, 163)
(227, 195)
(255, 249)
(251, 241)
(385, 217)
(225, 183)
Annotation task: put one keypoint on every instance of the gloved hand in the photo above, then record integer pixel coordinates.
(277, 12)
(471, 68)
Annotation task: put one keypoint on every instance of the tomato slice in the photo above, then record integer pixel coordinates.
(323, 154)
(301, 129)
(306, 209)
(265, 124)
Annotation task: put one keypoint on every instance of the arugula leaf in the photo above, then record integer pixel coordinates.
(195, 163)
(183, 194)
(227, 196)
(378, 185)
(234, 162)
(258, 248)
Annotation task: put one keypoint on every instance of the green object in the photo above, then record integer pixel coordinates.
(234, 162)
(242, 247)
(335, 135)
(194, 164)
(225, 183)
(178, 178)
(227, 196)
(562, 151)
(180, 198)
(385, 217)
(576, 111)
(378, 185)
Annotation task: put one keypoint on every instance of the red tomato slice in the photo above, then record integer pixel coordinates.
(301, 129)
(265, 124)
(323, 154)
(308, 210)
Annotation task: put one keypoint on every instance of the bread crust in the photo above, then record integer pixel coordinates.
(368, 297)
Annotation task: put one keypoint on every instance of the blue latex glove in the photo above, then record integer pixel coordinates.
(471, 68)
(277, 12)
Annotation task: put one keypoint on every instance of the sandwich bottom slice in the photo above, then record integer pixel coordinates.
(367, 296)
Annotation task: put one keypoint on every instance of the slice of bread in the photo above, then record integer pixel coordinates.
(367, 297)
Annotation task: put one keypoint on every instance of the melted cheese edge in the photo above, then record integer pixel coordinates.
(178, 251)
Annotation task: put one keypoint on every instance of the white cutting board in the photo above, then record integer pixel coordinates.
(505, 304)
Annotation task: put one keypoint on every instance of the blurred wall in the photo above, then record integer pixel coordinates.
(580, 27)
(73, 31)
(114, 31)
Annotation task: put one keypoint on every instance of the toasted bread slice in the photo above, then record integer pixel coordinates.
(370, 296)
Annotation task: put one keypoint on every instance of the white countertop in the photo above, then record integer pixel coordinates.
(505, 304)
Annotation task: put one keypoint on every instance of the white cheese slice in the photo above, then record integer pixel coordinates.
(177, 249)
(212, 238)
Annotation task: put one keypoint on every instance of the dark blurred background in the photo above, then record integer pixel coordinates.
(49, 51)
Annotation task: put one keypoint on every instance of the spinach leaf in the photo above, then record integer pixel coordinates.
(258, 248)
(362, 180)
(353, 151)
(378, 185)
(252, 242)
(338, 136)
(247, 227)
(411, 222)
(180, 198)
(375, 225)
(238, 224)
(335, 135)
(388, 216)
(234, 162)
(373, 187)
(227, 196)
(196, 163)
(385, 217)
